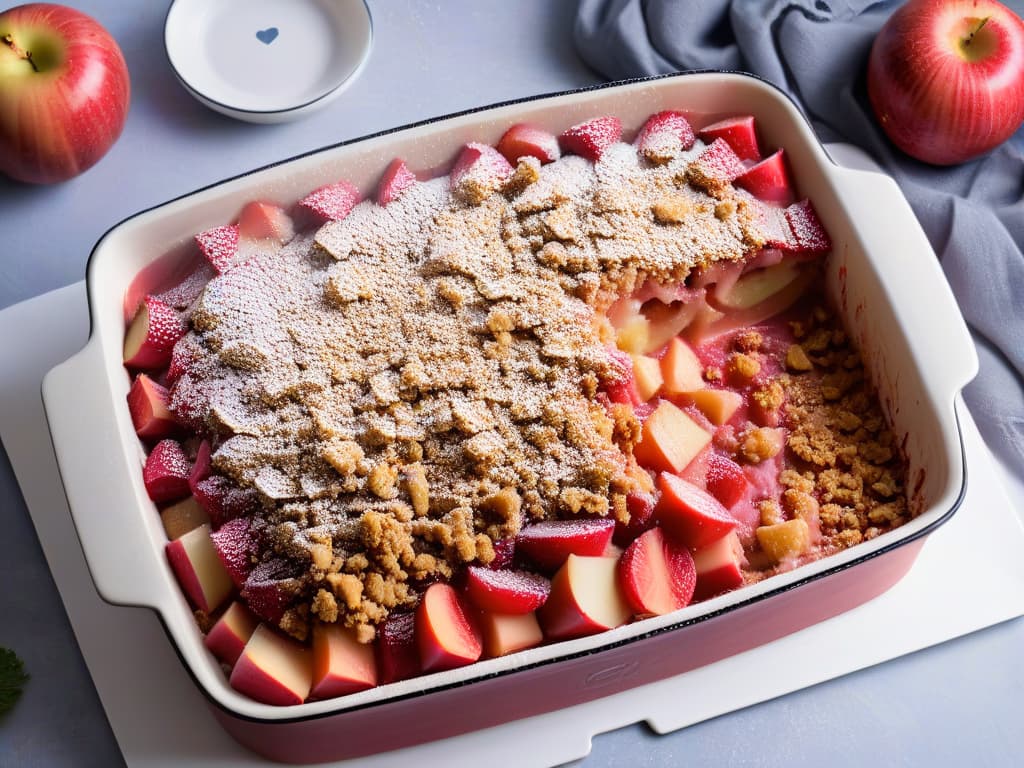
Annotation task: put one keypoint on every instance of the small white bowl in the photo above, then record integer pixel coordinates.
(267, 61)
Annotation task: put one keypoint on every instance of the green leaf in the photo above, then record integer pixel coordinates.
(12, 679)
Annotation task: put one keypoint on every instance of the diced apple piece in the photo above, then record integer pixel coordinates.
(445, 634)
(808, 235)
(769, 180)
(147, 404)
(681, 369)
(505, 591)
(525, 140)
(725, 480)
(657, 575)
(669, 439)
(265, 221)
(479, 170)
(585, 598)
(227, 639)
(341, 664)
(166, 472)
(397, 655)
(718, 405)
(549, 543)
(666, 321)
(633, 336)
(719, 567)
(592, 138)
(235, 547)
(787, 539)
(151, 337)
(269, 589)
(717, 165)
(664, 136)
(696, 472)
(219, 247)
(506, 633)
(199, 570)
(689, 515)
(185, 516)
(757, 286)
(332, 202)
(396, 179)
(647, 375)
(222, 500)
(738, 132)
(273, 669)
(504, 553)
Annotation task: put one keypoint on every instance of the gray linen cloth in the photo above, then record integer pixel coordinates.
(816, 50)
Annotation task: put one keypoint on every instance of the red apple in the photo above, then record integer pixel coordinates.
(507, 633)
(547, 544)
(689, 515)
(719, 567)
(199, 570)
(585, 598)
(505, 591)
(147, 404)
(445, 633)
(946, 78)
(182, 517)
(657, 575)
(227, 639)
(63, 92)
(397, 656)
(341, 664)
(273, 669)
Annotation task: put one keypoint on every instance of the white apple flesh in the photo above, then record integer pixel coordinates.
(64, 92)
(946, 78)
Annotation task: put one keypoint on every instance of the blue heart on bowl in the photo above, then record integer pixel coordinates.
(267, 35)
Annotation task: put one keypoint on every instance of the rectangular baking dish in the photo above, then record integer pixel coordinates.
(882, 276)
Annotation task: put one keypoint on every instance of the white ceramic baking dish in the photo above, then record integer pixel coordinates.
(883, 276)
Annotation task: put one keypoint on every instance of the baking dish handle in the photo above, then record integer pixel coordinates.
(938, 327)
(124, 556)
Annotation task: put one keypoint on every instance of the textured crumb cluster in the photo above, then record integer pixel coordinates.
(419, 380)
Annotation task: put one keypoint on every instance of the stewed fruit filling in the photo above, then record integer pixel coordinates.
(575, 383)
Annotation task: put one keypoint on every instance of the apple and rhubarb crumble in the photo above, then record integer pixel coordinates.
(575, 383)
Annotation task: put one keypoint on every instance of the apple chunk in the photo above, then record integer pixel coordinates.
(273, 669)
(718, 405)
(689, 515)
(265, 221)
(784, 540)
(185, 516)
(680, 368)
(151, 337)
(397, 656)
(506, 591)
(341, 664)
(147, 404)
(585, 598)
(719, 567)
(445, 634)
(506, 633)
(657, 575)
(647, 376)
(547, 544)
(754, 287)
(669, 439)
(227, 639)
(200, 572)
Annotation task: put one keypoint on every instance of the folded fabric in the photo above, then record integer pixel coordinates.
(817, 50)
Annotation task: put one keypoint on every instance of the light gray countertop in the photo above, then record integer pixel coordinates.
(956, 704)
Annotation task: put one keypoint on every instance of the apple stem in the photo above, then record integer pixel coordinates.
(975, 31)
(23, 54)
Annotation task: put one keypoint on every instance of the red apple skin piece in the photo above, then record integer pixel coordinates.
(504, 554)
(943, 87)
(769, 180)
(669, 439)
(200, 573)
(689, 515)
(151, 337)
(592, 138)
(227, 638)
(719, 567)
(641, 518)
(445, 633)
(479, 170)
(508, 633)
(235, 548)
(59, 118)
(273, 669)
(738, 132)
(222, 500)
(268, 590)
(807, 233)
(332, 202)
(341, 664)
(718, 161)
(506, 591)
(525, 140)
(585, 599)
(166, 472)
(219, 247)
(147, 404)
(725, 480)
(547, 544)
(397, 655)
(657, 575)
(664, 135)
(265, 221)
(396, 179)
